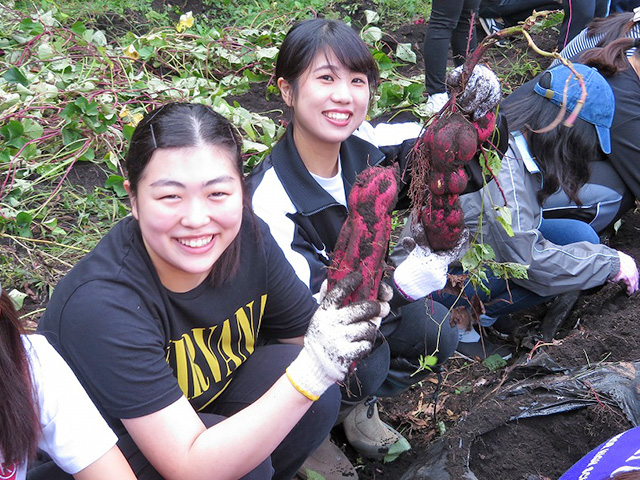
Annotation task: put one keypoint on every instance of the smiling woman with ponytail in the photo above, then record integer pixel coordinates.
(43, 406)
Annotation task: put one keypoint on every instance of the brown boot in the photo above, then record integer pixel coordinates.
(330, 462)
(369, 435)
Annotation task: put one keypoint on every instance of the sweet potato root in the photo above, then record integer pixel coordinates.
(364, 238)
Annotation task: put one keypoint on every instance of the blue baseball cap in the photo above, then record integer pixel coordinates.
(599, 105)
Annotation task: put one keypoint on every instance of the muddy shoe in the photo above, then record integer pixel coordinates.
(369, 435)
(330, 462)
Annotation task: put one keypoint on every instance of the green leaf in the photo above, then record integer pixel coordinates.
(401, 446)
(391, 94)
(383, 60)
(371, 16)
(88, 156)
(263, 53)
(405, 53)
(12, 130)
(70, 134)
(127, 131)
(504, 219)
(50, 224)
(415, 92)
(32, 129)
(78, 28)
(313, 475)
(14, 75)
(17, 297)
(32, 28)
(372, 35)
(494, 163)
(24, 219)
(494, 362)
(116, 183)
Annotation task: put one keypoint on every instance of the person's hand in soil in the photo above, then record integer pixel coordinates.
(628, 273)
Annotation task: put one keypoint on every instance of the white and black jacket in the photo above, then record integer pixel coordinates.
(304, 219)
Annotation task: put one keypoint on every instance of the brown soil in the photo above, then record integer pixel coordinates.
(601, 328)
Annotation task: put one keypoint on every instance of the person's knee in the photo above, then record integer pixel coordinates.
(323, 414)
(368, 375)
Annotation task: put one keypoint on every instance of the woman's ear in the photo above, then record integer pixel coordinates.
(286, 91)
(132, 199)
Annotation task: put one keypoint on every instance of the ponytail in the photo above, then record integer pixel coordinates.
(611, 59)
(19, 422)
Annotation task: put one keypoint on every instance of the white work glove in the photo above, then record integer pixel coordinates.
(425, 271)
(628, 273)
(481, 94)
(337, 336)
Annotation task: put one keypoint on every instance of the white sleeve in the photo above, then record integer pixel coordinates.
(385, 134)
(74, 433)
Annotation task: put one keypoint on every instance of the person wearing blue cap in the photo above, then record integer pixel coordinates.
(613, 184)
(612, 188)
(562, 255)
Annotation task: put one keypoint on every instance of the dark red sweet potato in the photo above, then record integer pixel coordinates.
(364, 238)
(455, 141)
(447, 144)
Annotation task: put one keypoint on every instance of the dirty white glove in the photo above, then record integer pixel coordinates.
(481, 94)
(336, 337)
(628, 273)
(425, 271)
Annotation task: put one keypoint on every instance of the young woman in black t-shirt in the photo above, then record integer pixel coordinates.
(182, 322)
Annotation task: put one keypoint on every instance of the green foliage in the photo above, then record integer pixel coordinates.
(494, 362)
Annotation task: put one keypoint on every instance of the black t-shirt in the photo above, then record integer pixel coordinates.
(137, 347)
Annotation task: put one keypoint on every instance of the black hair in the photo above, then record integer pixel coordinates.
(19, 418)
(180, 125)
(563, 153)
(308, 38)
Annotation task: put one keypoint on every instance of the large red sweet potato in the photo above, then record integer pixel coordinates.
(447, 144)
(364, 238)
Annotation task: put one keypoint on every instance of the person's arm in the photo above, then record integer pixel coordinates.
(292, 341)
(74, 433)
(112, 465)
(178, 445)
(552, 269)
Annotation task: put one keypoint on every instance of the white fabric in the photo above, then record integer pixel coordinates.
(334, 186)
(74, 433)
(385, 134)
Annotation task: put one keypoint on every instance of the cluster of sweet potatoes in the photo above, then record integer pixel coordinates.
(439, 175)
